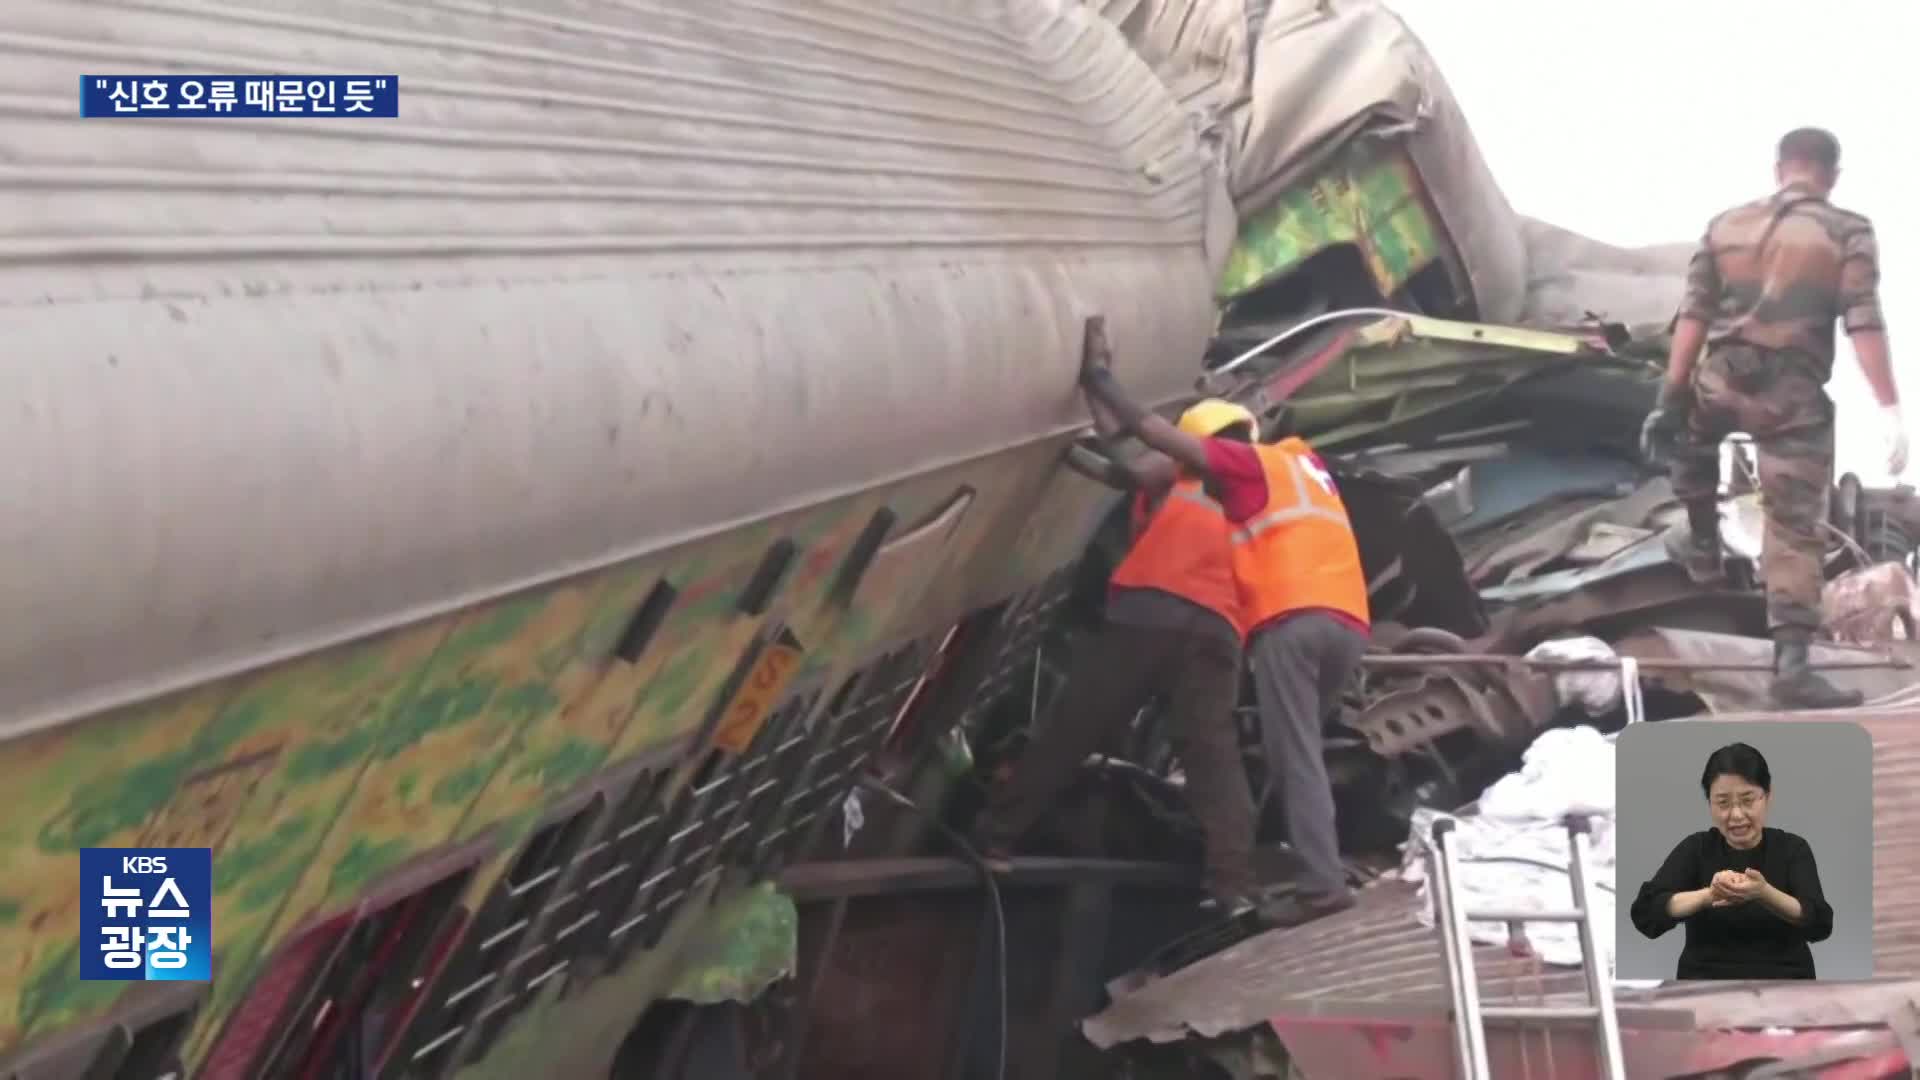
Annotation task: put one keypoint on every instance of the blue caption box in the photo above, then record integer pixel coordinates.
(369, 96)
(146, 914)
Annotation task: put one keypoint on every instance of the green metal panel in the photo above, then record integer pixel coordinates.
(1369, 196)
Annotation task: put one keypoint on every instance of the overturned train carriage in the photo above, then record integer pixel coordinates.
(502, 532)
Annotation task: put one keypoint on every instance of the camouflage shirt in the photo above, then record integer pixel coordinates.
(1776, 272)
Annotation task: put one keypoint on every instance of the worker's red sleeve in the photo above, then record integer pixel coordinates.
(1236, 478)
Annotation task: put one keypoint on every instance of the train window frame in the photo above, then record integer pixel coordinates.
(791, 724)
(689, 799)
(645, 624)
(330, 934)
(886, 686)
(510, 998)
(860, 557)
(769, 577)
(626, 836)
(849, 700)
(570, 822)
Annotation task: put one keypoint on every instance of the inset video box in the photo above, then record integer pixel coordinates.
(1744, 850)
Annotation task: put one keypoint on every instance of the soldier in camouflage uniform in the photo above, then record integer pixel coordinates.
(1762, 293)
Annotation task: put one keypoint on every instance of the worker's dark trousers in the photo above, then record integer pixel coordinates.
(1113, 673)
(1300, 666)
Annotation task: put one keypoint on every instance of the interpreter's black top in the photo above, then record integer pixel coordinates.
(1745, 941)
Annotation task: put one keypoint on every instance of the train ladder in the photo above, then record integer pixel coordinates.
(1469, 1016)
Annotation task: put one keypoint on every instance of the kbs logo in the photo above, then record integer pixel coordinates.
(146, 914)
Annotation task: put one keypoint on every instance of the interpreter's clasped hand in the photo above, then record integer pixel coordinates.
(1736, 887)
(1749, 885)
(1722, 888)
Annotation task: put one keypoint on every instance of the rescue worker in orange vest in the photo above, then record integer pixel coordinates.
(1173, 628)
(1303, 602)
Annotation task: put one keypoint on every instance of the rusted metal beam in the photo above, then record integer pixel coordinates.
(879, 877)
(1423, 660)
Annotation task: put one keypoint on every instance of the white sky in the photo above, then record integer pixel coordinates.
(1635, 121)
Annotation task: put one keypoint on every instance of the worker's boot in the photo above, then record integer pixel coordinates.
(1231, 888)
(1229, 905)
(1696, 545)
(1297, 909)
(1795, 684)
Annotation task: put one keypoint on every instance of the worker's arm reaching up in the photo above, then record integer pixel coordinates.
(1213, 441)
(1104, 391)
(1152, 472)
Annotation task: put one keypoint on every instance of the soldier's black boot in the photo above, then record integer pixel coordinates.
(1795, 684)
(1696, 545)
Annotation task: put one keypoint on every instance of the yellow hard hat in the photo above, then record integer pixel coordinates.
(1211, 416)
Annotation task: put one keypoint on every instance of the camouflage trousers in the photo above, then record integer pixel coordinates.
(1780, 401)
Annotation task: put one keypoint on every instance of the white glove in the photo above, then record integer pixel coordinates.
(1893, 434)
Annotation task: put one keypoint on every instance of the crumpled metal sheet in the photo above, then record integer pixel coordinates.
(1375, 952)
(1570, 275)
(1414, 571)
(1327, 72)
(1421, 382)
(1542, 542)
(1510, 489)
(1198, 48)
(1635, 558)
(1283, 85)
(1321, 74)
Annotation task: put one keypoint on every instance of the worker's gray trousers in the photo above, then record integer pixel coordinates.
(1300, 666)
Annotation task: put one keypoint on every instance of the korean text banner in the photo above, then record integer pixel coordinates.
(146, 914)
(239, 95)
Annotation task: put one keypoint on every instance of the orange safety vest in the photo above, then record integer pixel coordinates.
(1298, 552)
(1183, 549)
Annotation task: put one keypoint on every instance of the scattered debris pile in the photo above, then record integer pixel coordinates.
(1512, 850)
(1513, 542)
(1525, 599)
(1510, 533)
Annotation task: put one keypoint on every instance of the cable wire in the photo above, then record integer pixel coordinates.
(880, 787)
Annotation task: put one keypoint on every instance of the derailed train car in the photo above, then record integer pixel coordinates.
(504, 533)
(500, 532)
